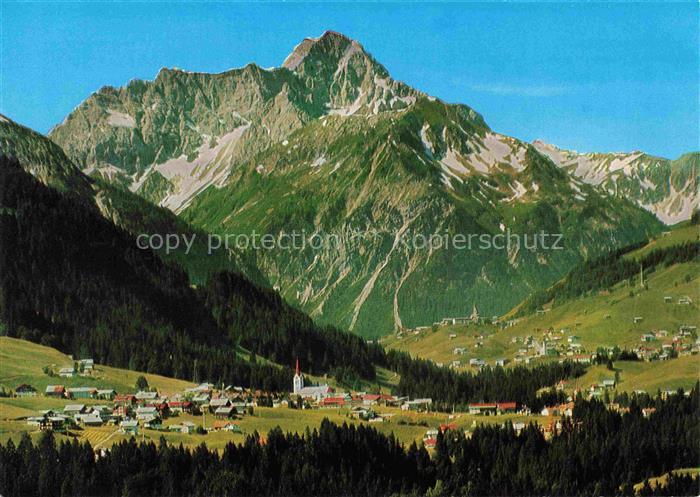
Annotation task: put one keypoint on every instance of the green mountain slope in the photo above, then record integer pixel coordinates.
(604, 318)
(47, 162)
(330, 144)
(335, 179)
(73, 278)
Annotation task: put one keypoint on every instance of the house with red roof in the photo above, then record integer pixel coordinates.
(447, 426)
(124, 400)
(55, 391)
(430, 442)
(332, 402)
(180, 406)
(506, 407)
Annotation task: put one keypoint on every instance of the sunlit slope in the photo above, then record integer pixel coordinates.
(603, 319)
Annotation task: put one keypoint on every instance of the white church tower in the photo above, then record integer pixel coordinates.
(298, 383)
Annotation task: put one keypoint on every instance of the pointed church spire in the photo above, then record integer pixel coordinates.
(298, 382)
(475, 313)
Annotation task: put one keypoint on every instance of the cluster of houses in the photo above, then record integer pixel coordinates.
(325, 397)
(659, 345)
(147, 409)
(564, 410)
(683, 300)
(61, 392)
(82, 367)
(552, 344)
(474, 318)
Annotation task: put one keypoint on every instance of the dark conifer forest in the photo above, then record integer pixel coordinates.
(450, 389)
(72, 280)
(596, 452)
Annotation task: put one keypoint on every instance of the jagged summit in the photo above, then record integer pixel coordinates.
(329, 41)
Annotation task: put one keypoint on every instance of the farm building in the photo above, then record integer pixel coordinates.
(417, 405)
(130, 426)
(144, 413)
(25, 390)
(506, 407)
(483, 408)
(86, 365)
(227, 412)
(177, 407)
(81, 392)
(332, 402)
(73, 409)
(67, 372)
(142, 396)
(55, 391)
(106, 394)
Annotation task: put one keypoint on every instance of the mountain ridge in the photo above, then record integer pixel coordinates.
(331, 144)
(666, 187)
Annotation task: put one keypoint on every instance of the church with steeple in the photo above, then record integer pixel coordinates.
(298, 382)
(475, 314)
(316, 392)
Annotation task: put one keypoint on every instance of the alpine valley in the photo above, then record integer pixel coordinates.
(329, 144)
(396, 358)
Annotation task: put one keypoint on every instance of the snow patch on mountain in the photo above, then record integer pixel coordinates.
(494, 150)
(452, 161)
(192, 177)
(427, 144)
(607, 170)
(676, 207)
(519, 191)
(119, 119)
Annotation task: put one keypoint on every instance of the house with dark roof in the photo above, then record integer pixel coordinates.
(25, 390)
(106, 394)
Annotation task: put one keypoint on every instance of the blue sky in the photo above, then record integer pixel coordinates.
(590, 77)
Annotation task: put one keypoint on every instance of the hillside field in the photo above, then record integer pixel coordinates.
(23, 362)
(605, 319)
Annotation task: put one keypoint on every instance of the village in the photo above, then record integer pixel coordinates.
(551, 344)
(152, 410)
(206, 409)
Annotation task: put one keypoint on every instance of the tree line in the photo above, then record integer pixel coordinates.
(596, 452)
(450, 389)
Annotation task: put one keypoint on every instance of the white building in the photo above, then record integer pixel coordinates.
(316, 392)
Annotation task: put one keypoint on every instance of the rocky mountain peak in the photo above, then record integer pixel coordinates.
(330, 44)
